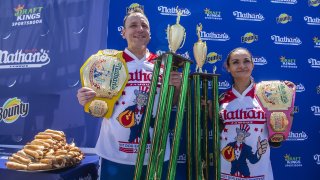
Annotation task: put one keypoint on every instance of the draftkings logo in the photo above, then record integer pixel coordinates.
(259, 60)
(316, 41)
(32, 58)
(288, 62)
(300, 88)
(172, 11)
(316, 110)
(284, 40)
(283, 18)
(248, 16)
(314, 3)
(314, 63)
(316, 157)
(285, 1)
(249, 38)
(292, 161)
(214, 36)
(312, 20)
(12, 109)
(214, 15)
(182, 159)
(27, 16)
(297, 136)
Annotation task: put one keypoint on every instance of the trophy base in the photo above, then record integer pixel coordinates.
(178, 61)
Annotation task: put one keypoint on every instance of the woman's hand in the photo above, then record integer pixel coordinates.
(175, 79)
(85, 95)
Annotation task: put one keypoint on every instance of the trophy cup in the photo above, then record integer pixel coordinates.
(106, 73)
(176, 34)
(200, 50)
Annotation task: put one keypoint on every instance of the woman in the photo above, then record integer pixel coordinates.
(118, 144)
(245, 151)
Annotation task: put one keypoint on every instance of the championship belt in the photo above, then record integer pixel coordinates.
(277, 100)
(107, 74)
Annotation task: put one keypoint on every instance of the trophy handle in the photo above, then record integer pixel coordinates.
(184, 40)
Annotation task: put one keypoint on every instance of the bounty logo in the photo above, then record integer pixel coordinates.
(284, 40)
(215, 15)
(214, 36)
(288, 63)
(285, 1)
(314, 63)
(259, 60)
(292, 161)
(316, 110)
(284, 18)
(316, 41)
(314, 3)
(297, 136)
(312, 20)
(300, 88)
(24, 58)
(249, 38)
(166, 11)
(316, 157)
(248, 16)
(12, 109)
(213, 57)
(26, 16)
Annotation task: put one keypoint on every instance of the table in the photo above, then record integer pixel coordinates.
(87, 170)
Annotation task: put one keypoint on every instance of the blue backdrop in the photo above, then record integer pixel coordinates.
(44, 43)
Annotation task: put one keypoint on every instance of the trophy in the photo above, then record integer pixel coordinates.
(176, 34)
(200, 50)
(106, 73)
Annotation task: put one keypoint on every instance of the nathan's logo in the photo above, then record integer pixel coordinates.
(314, 63)
(249, 38)
(26, 16)
(284, 18)
(316, 41)
(288, 63)
(224, 85)
(213, 57)
(173, 11)
(312, 20)
(316, 157)
(248, 16)
(297, 136)
(182, 159)
(120, 28)
(314, 3)
(292, 161)
(253, 1)
(316, 110)
(215, 15)
(12, 109)
(284, 40)
(185, 55)
(214, 36)
(300, 88)
(24, 59)
(243, 114)
(259, 60)
(285, 1)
